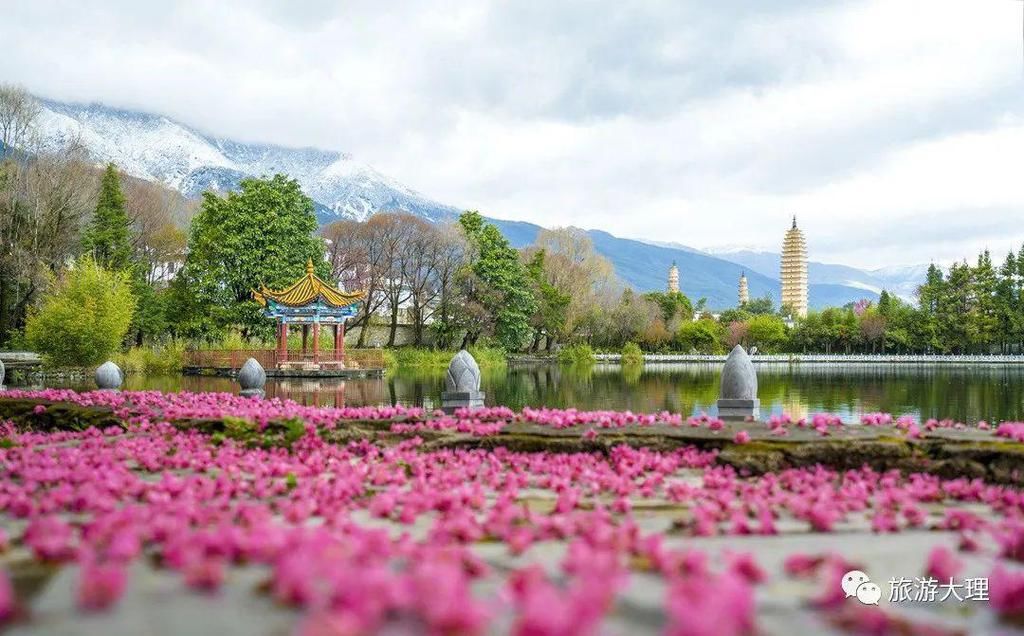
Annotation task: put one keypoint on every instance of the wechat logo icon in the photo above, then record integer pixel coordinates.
(856, 583)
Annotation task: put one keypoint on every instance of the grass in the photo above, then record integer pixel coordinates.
(422, 358)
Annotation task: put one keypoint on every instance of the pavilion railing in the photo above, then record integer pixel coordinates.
(233, 359)
(366, 358)
(229, 358)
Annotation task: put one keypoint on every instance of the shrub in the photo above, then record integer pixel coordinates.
(700, 336)
(157, 360)
(631, 354)
(230, 341)
(83, 318)
(576, 354)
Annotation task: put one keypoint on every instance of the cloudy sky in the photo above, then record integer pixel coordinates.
(893, 129)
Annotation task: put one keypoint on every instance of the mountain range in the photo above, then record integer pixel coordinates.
(159, 149)
(902, 281)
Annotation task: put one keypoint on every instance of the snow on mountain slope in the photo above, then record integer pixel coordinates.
(143, 145)
(160, 149)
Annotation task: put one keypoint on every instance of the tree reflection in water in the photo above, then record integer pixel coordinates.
(965, 393)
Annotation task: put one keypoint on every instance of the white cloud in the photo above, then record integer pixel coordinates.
(893, 129)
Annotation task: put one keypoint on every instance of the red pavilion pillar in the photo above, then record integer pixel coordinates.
(339, 341)
(305, 340)
(282, 341)
(316, 342)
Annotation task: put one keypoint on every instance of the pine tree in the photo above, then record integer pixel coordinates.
(885, 304)
(928, 296)
(106, 237)
(1007, 303)
(983, 320)
(957, 305)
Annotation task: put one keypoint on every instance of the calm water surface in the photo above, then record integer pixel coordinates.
(965, 393)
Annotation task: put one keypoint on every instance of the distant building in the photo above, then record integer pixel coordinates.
(163, 272)
(673, 278)
(794, 272)
(744, 291)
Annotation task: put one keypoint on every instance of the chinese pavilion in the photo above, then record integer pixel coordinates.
(309, 302)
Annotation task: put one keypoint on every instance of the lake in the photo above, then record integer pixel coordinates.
(966, 393)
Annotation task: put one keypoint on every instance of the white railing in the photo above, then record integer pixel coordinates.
(792, 358)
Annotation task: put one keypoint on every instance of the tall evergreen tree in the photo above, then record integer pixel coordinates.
(928, 296)
(956, 304)
(1006, 302)
(107, 236)
(885, 304)
(983, 319)
(502, 286)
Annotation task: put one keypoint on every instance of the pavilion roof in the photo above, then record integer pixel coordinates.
(306, 291)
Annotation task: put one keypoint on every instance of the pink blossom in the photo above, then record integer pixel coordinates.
(100, 585)
(711, 606)
(942, 564)
(1006, 592)
(802, 565)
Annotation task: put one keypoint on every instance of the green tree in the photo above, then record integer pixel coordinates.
(766, 332)
(150, 317)
(736, 314)
(956, 304)
(760, 306)
(885, 304)
(900, 326)
(700, 336)
(674, 305)
(500, 284)
(107, 235)
(84, 317)
(929, 296)
(548, 320)
(1006, 302)
(260, 234)
(983, 321)
(811, 333)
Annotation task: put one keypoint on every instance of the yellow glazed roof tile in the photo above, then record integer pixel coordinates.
(306, 291)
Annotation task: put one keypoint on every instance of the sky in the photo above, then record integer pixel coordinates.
(892, 129)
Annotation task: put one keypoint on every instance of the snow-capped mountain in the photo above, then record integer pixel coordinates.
(157, 148)
(160, 149)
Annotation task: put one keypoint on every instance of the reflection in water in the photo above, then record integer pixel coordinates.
(965, 393)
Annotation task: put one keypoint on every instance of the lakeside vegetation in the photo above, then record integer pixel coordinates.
(436, 359)
(169, 358)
